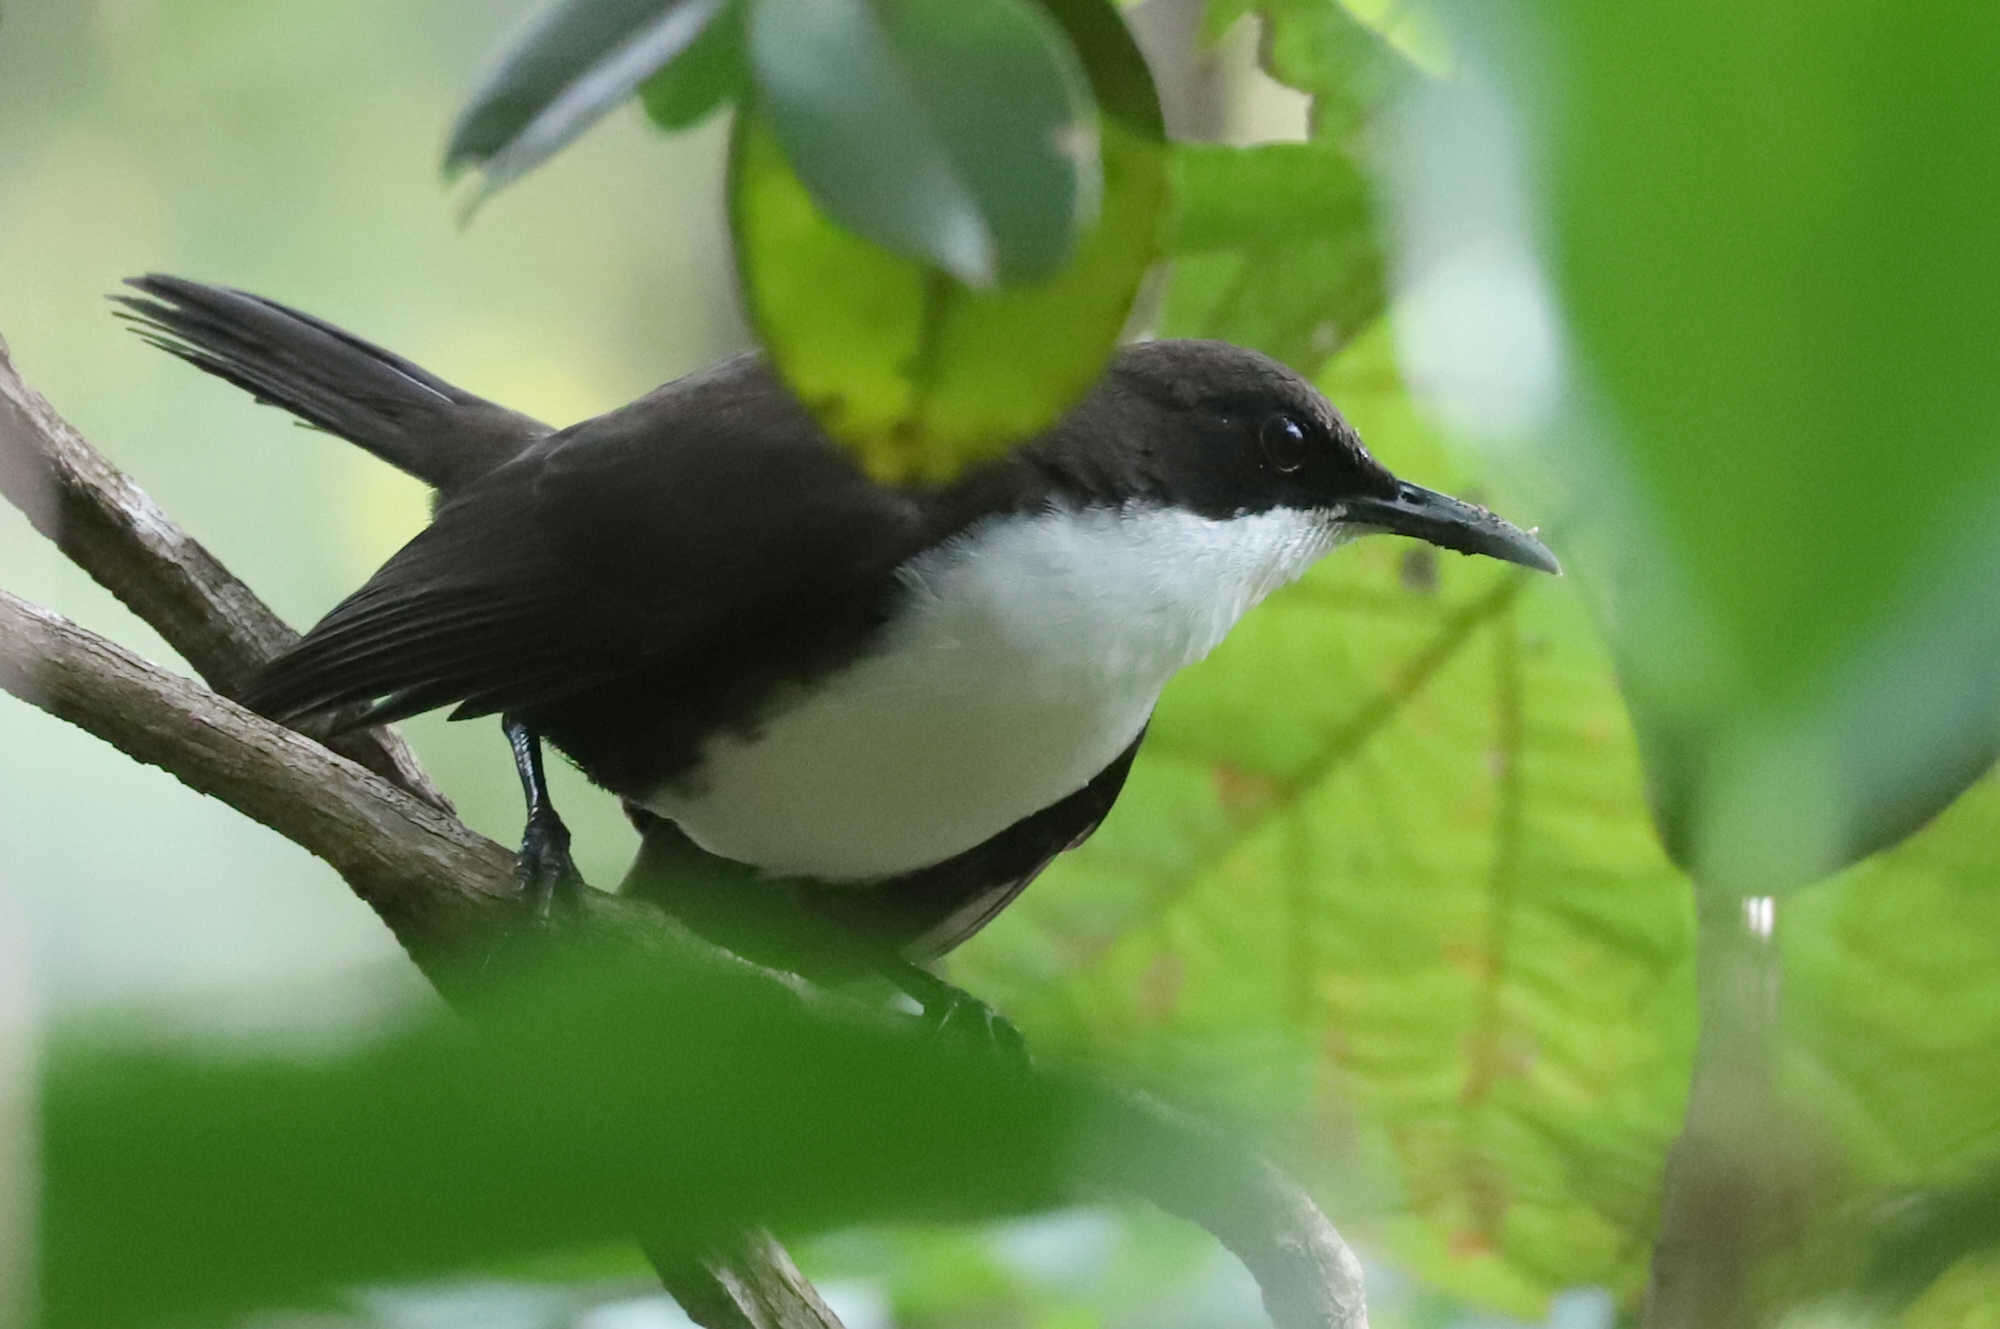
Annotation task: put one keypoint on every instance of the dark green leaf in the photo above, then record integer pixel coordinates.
(917, 371)
(709, 73)
(577, 60)
(1929, 1232)
(959, 133)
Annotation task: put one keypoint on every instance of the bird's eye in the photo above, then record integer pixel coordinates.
(1284, 441)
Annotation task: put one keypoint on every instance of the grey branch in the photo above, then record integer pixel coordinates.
(110, 528)
(436, 883)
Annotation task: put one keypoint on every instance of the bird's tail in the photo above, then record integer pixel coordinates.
(330, 379)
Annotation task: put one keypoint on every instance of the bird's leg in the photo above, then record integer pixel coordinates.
(955, 1012)
(544, 869)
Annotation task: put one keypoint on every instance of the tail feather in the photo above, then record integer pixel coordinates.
(330, 379)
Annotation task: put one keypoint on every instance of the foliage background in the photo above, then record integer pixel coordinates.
(293, 153)
(1384, 879)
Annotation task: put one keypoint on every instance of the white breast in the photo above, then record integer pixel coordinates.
(1030, 653)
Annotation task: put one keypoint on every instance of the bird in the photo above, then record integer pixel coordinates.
(859, 714)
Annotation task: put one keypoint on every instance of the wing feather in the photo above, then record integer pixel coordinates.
(604, 551)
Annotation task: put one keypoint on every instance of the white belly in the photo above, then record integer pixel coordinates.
(1030, 654)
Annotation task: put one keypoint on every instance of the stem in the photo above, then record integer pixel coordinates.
(1726, 1185)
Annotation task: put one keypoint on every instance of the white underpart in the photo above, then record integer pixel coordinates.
(1029, 655)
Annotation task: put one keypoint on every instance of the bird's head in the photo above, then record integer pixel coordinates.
(1225, 432)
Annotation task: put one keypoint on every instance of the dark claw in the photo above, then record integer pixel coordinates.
(964, 1016)
(957, 1014)
(545, 872)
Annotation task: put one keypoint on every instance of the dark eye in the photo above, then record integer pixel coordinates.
(1284, 440)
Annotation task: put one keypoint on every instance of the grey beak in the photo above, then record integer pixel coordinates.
(1444, 521)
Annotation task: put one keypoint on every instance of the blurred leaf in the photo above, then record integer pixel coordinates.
(1274, 248)
(710, 73)
(1967, 1297)
(1414, 28)
(1322, 49)
(188, 1179)
(1779, 269)
(1930, 1233)
(915, 370)
(1275, 194)
(577, 60)
(958, 133)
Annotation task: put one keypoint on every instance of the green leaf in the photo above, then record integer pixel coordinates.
(959, 133)
(189, 1179)
(915, 370)
(574, 62)
(1893, 997)
(1385, 871)
(712, 72)
(1274, 248)
(1321, 48)
(1779, 271)
(1384, 866)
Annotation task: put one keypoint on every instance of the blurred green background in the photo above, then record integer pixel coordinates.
(292, 151)
(1384, 880)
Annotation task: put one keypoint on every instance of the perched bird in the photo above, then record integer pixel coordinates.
(898, 704)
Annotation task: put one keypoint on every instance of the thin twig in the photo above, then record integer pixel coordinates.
(752, 1283)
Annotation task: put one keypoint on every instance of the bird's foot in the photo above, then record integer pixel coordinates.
(965, 1017)
(957, 1014)
(544, 871)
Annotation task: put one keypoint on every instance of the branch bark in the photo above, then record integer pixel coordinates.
(437, 884)
(111, 529)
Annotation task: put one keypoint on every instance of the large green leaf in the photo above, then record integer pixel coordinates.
(957, 133)
(577, 60)
(1386, 860)
(1395, 824)
(916, 370)
(1773, 244)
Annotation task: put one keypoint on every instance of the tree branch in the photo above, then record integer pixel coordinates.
(111, 529)
(439, 885)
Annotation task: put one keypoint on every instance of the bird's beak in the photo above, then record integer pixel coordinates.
(1450, 524)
